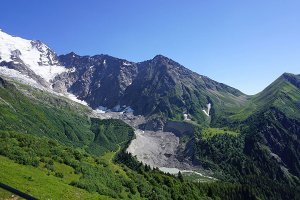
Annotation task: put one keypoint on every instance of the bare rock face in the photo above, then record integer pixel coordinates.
(99, 80)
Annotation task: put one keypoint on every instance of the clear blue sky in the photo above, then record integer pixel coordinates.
(245, 44)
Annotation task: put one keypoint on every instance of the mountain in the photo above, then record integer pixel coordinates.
(159, 86)
(250, 141)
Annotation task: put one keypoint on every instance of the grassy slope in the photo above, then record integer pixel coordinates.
(36, 182)
(281, 94)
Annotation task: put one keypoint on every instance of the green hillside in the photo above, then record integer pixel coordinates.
(266, 152)
(33, 111)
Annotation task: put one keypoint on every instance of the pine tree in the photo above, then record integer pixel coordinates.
(180, 176)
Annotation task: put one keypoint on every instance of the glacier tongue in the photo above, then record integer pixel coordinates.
(18, 76)
(34, 54)
(24, 79)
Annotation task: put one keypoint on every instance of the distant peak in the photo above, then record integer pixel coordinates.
(72, 54)
(160, 57)
(286, 74)
(292, 78)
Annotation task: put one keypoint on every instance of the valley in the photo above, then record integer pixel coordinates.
(158, 149)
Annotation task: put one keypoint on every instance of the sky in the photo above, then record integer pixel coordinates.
(244, 44)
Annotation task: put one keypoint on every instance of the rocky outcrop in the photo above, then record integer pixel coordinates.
(2, 82)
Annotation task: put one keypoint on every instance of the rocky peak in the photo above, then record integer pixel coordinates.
(160, 57)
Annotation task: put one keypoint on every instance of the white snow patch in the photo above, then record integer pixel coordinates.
(74, 98)
(104, 62)
(205, 112)
(208, 109)
(73, 69)
(117, 109)
(127, 63)
(101, 109)
(186, 117)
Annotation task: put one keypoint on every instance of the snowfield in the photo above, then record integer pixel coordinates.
(35, 55)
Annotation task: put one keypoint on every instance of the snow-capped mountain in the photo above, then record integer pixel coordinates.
(30, 57)
(159, 86)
